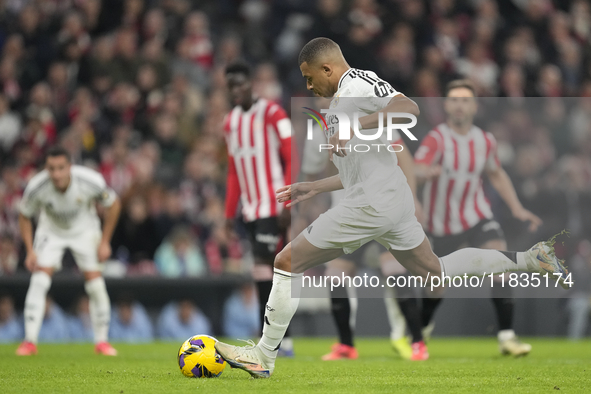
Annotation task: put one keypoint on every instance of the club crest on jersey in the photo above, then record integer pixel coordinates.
(382, 89)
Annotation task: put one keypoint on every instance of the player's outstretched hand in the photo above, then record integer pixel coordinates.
(525, 215)
(104, 250)
(297, 192)
(31, 261)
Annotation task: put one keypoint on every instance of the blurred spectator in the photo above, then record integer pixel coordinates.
(11, 327)
(241, 313)
(478, 68)
(130, 322)
(223, 254)
(135, 238)
(79, 323)
(181, 320)
(8, 255)
(172, 152)
(55, 324)
(117, 168)
(10, 124)
(197, 36)
(179, 256)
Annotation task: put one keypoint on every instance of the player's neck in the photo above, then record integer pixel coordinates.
(339, 71)
(461, 129)
(248, 104)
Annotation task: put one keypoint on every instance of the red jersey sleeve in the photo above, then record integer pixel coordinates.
(282, 126)
(430, 149)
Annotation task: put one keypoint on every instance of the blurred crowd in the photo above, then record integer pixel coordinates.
(136, 90)
(132, 322)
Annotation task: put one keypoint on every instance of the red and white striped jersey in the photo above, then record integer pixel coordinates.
(455, 202)
(259, 150)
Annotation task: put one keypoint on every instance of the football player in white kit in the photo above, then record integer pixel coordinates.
(65, 195)
(378, 205)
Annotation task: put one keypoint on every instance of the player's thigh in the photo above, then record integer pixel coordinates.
(339, 266)
(84, 248)
(419, 260)
(49, 249)
(300, 255)
(348, 263)
(389, 265)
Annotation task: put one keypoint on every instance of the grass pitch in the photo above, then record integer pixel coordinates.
(456, 366)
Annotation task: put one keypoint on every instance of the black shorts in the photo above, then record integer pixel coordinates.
(484, 231)
(266, 238)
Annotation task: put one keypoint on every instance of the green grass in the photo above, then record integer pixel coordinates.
(456, 365)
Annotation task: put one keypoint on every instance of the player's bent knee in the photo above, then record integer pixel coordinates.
(90, 275)
(41, 280)
(283, 260)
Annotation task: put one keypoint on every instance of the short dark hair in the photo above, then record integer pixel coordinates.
(314, 48)
(460, 83)
(238, 67)
(56, 151)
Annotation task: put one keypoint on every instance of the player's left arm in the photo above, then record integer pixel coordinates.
(109, 223)
(110, 201)
(398, 103)
(500, 180)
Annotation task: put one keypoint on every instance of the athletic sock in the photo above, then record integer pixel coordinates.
(395, 316)
(341, 312)
(504, 305)
(282, 305)
(429, 307)
(100, 308)
(505, 335)
(410, 309)
(263, 290)
(474, 261)
(35, 305)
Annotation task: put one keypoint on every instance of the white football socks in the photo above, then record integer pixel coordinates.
(505, 335)
(35, 305)
(282, 305)
(480, 262)
(395, 316)
(100, 308)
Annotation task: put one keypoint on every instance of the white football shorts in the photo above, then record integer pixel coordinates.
(50, 249)
(348, 228)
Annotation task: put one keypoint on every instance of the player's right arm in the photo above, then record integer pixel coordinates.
(232, 183)
(303, 191)
(28, 207)
(26, 229)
